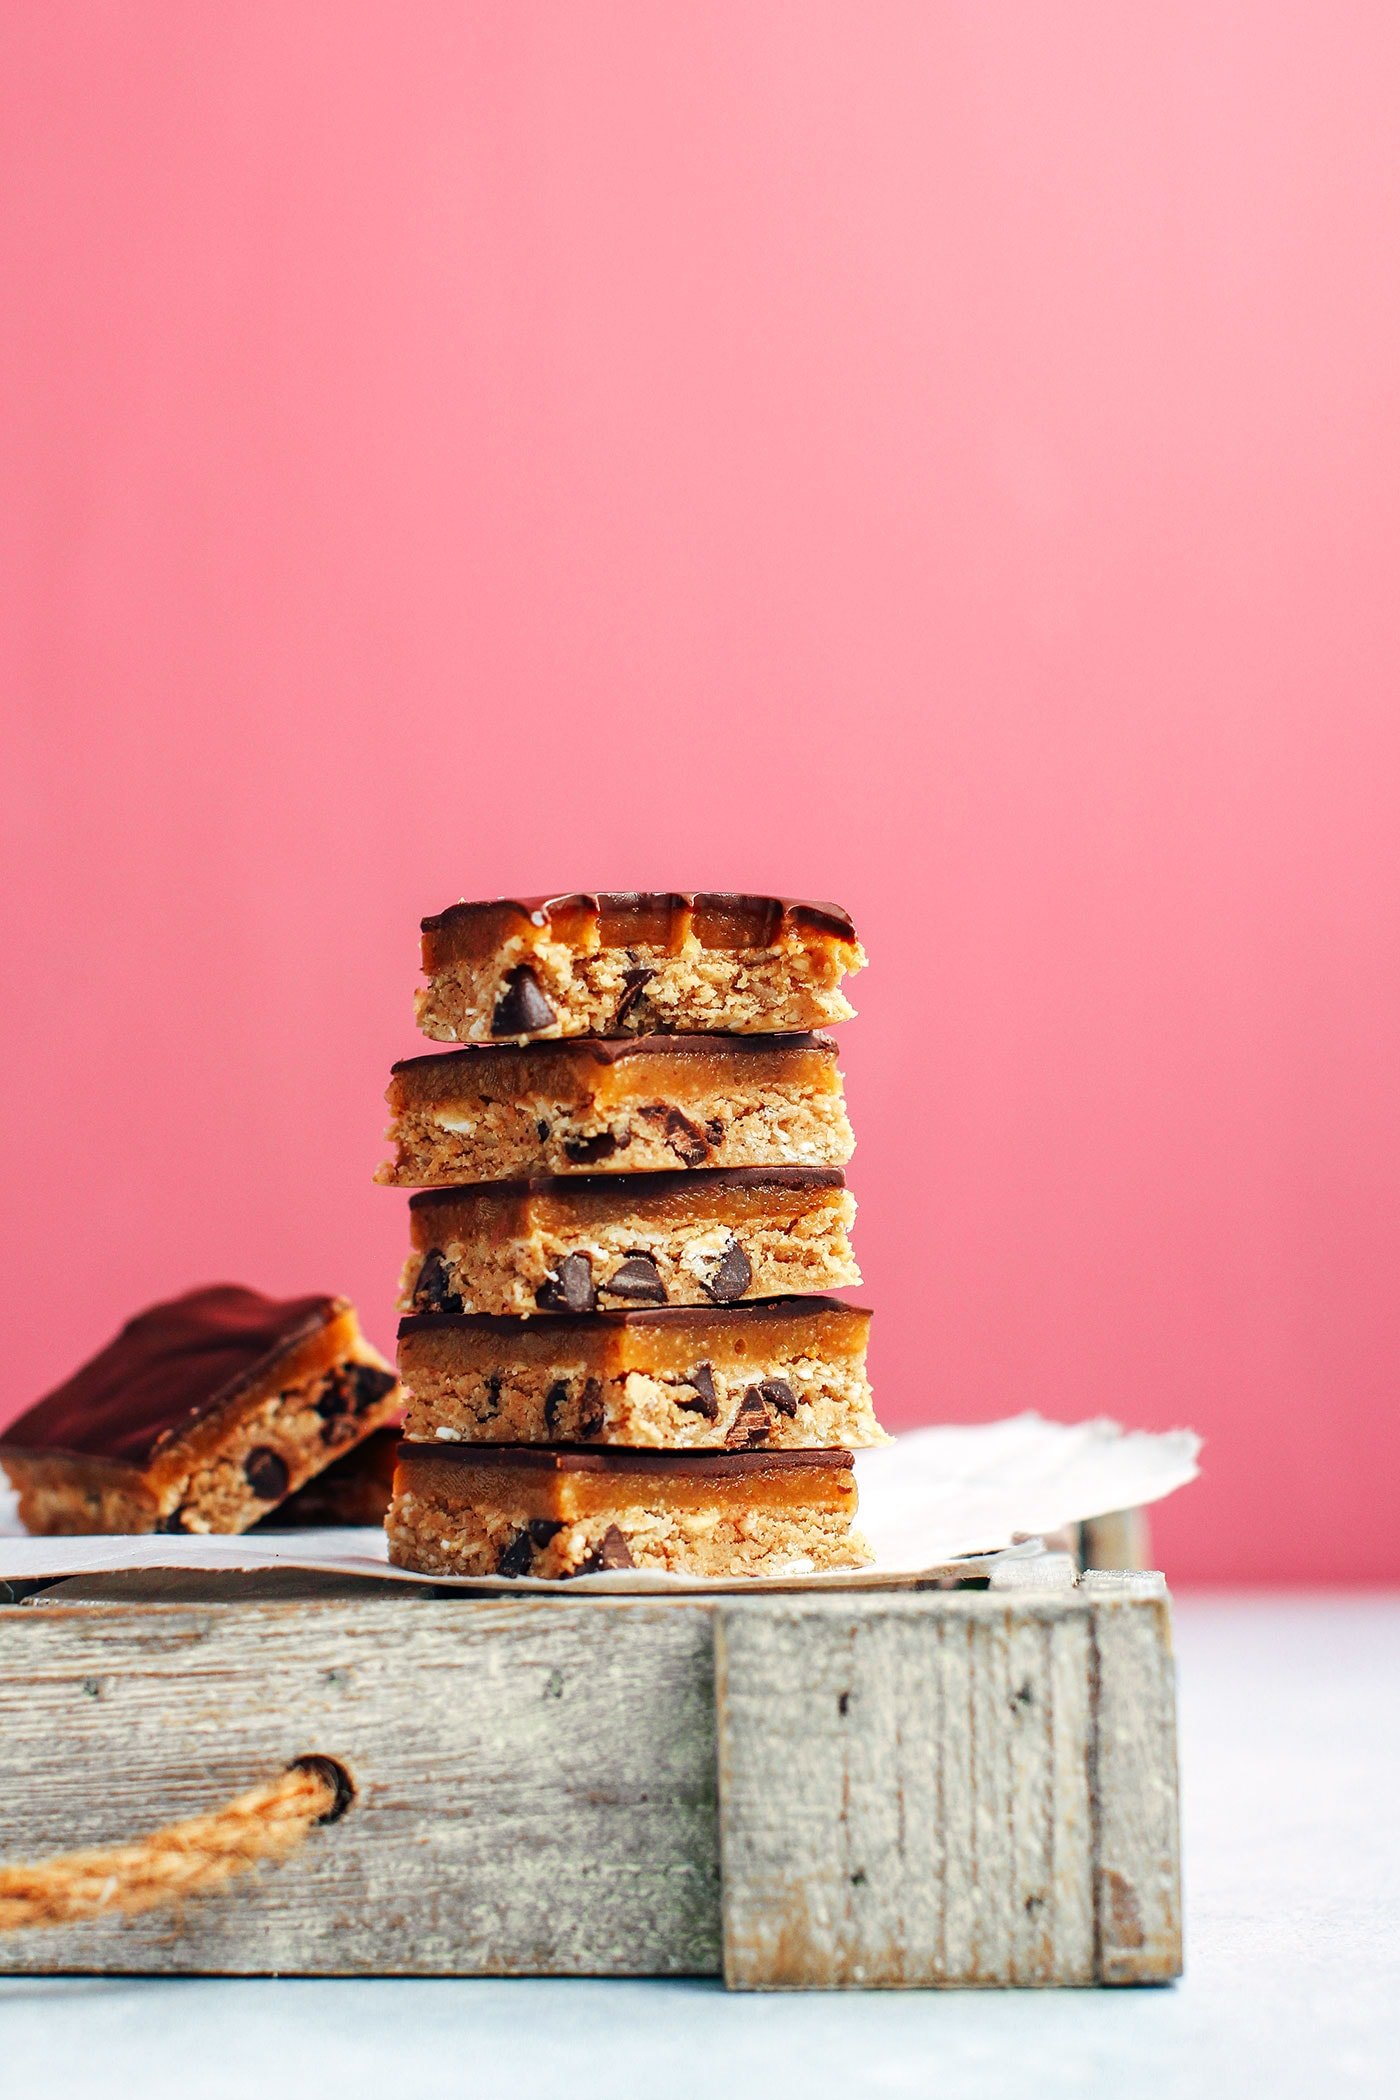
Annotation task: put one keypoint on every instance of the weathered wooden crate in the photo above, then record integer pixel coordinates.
(794, 1790)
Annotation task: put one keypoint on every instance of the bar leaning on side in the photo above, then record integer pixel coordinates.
(203, 1414)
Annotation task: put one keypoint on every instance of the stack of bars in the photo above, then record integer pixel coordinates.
(617, 1348)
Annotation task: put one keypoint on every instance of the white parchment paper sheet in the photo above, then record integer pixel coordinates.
(930, 1497)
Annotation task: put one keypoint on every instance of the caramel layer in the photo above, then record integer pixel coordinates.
(570, 1485)
(657, 1338)
(605, 1073)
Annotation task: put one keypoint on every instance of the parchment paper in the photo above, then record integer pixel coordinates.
(932, 1497)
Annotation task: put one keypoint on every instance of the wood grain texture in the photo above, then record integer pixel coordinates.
(936, 1787)
(1133, 1751)
(535, 1787)
(978, 1794)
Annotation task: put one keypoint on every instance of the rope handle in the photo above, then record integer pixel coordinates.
(267, 1822)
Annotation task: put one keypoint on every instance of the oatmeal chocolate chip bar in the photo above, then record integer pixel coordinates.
(354, 1489)
(202, 1415)
(510, 1510)
(786, 1372)
(707, 1236)
(633, 963)
(634, 1105)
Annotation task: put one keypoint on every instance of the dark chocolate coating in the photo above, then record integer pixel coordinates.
(761, 920)
(752, 1310)
(611, 1049)
(691, 1180)
(617, 1458)
(169, 1365)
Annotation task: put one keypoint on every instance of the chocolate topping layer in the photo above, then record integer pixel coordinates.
(610, 1050)
(169, 1365)
(616, 1458)
(558, 1325)
(690, 1182)
(657, 918)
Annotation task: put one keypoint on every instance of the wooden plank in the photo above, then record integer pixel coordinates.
(1134, 1767)
(935, 1787)
(536, 1781)
(222, 1588)
(905, 1791)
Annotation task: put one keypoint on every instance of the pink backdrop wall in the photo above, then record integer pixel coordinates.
(944, 457)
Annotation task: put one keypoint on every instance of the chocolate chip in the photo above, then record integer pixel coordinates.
(334, 1404)
(266, 1474)
(714, 1129)
(553, 1400)
(368, 1385)
(493, 1397)
(751, 1425)
(777, 1393)
(541, 1129)
(611, 1551)
(568, 1286)
(638, 1280)
(686, 1139)
(591, 1415)
(174, 1522)
(730, 1277)
(634, 984)
(518, 1557)
(543, 1529)
(583, 1151)
(334, 1398)
(706, 1402)
(522, 1008)
(433, 1292)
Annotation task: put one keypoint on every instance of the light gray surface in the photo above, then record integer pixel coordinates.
(1290, 1721)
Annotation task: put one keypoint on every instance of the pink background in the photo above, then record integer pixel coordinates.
(941, 456)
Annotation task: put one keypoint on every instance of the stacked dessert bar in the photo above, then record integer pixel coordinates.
(618, 1347)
